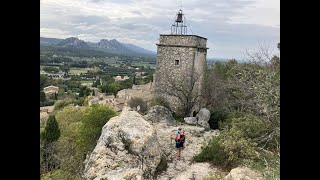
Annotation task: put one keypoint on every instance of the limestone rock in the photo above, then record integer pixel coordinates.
(190, 120)
(133, 174)
(243, 173)
(124, 140)
(196, 171)
(196, 137)
(160, 114)
(203, 118)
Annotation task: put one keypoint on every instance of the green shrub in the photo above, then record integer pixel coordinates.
(59, 174)
(236, 142)
(94, 118)
(251, 126)
(217, 116)
(59, 104)
(237, 148)
(213, 152)
(48, 102)
(162, 166)
(266, 163)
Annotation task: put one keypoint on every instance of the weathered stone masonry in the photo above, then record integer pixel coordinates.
(179, 59)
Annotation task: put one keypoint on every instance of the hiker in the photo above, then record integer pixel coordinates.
(180, 139)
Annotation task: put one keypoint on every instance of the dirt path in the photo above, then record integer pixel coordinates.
(184, 169)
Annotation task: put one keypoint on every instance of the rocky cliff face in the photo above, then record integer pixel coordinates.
(112, 44)
(128, 148)
(73, 42)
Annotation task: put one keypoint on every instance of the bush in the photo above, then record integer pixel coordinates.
(135, 102)
(217, 117)
(251, 126)
(47, 103)
(237, 142)
(94, 118)
(213, 153)
(59, 174)
(162, 166)
(80, 130)
(59, 104)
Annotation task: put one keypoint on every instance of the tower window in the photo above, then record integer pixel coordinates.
(176, 62)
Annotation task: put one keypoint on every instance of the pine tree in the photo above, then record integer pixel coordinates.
(81, 93)
(134, 79)
(42, 96)
(55, 96)
(51, 132)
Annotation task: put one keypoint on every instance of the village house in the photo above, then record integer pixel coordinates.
(119, 78)
(51, 90)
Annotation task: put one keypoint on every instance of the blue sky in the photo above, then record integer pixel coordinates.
(231, 26)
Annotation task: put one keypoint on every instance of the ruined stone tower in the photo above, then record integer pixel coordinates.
(180, 66)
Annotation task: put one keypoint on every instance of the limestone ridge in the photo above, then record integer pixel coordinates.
(104, 45)
(128, 147)
(73, 42)
(112, 44)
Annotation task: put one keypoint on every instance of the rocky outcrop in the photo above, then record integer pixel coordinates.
(190, 120)
(243, 173)
(203, 118)
(127, 148)
(160, 114)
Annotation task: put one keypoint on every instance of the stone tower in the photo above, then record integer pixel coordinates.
(180, 66)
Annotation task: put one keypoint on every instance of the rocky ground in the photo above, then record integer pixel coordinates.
(183, 169)
(132, 146)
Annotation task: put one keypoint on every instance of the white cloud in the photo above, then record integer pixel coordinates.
(229, 25)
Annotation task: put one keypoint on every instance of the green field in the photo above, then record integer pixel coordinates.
(86, 81)
(78, 70)
(41, 67)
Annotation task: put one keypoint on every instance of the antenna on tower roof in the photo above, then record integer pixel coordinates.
(179, 26)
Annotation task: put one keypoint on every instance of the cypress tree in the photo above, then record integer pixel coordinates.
(51, 132)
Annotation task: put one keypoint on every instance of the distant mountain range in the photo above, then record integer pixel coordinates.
(111, 46)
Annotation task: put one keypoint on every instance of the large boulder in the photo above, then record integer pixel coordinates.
(160, 114)
(243, 173)
(203, 118)
(190, 120)
(127, 148)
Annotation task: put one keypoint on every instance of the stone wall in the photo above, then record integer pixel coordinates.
(190, 51)
(183, 40)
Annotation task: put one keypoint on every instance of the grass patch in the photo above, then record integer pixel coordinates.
(78, 70)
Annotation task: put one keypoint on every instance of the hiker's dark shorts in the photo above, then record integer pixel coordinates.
(179, 145)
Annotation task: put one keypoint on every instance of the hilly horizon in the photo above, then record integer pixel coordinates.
(111, 46)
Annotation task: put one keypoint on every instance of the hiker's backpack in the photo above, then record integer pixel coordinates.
(181, 138)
